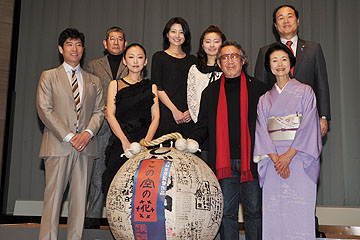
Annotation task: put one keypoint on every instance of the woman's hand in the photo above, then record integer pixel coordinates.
(286, 173)
(125, 144)
(282, 165)
(274, 157)
(187, 117)
(178, 116)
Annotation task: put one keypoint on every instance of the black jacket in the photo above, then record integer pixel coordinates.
(206, 125)
(310, 68)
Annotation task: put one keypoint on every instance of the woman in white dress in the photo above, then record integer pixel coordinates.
(204, 72)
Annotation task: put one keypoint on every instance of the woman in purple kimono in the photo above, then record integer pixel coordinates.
(287, 149)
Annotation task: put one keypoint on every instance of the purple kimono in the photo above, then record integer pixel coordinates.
(289, 204)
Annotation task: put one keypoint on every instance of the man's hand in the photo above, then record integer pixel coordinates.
(80, 141)
(323, 126)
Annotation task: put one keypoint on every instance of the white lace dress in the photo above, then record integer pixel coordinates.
(196, 83)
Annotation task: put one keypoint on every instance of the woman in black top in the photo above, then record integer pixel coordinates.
(132, 111)
(169, 71)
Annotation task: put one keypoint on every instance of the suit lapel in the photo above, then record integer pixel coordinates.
(216, 93)
(105, 63)
(65, 80)
(300, 52)
(86, 83)
(120, 71)
(251, 94)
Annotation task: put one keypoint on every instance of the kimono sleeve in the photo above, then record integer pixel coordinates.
(308, 136)
(263, 143)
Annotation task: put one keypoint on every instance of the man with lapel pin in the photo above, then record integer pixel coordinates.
(310, 67)
(70, 104)
(108, 68)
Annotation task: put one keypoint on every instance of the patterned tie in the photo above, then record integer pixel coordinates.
(288, 44)
(76, 93)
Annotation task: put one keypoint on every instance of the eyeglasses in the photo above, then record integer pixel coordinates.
(233, 56)
(112, 39)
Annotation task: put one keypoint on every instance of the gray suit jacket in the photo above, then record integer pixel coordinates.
(101, 68)
(310, 68)
(56, 109)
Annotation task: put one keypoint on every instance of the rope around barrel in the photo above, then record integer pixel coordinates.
(160, 140)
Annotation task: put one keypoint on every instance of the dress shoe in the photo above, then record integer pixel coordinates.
(92, 223)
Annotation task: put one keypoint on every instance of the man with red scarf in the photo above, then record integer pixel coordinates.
(227, 116)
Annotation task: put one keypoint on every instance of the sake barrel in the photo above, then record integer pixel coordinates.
(164, 194)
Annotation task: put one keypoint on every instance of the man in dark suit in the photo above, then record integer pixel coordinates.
(310, 67)
(70, 104)
(107, 68)
(227, 116)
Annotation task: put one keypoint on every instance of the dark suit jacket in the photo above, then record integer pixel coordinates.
(56, 108)
(310, 68)
(206, 125)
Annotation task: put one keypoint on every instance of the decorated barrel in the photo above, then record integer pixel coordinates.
(163, 193)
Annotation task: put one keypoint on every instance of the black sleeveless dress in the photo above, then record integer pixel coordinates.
(133, 112)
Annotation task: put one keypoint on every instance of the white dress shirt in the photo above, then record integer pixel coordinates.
(294, 44)
(68, 70)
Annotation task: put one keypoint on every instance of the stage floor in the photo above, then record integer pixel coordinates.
(19, 231)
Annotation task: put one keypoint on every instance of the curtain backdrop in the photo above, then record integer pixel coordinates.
(334, 24)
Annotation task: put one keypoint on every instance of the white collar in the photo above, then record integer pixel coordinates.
(69, 68)
(280, 90)
(294, 40)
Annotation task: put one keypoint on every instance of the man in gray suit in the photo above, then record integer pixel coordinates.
(310, 67)
(107, 68)
(70, 104)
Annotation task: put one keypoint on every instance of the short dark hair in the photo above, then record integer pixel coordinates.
(285, 5)
(71, 33)
(238, 46)
(114, 29)
(186, 30)
(134, 45)
(201, 54)
(278, 47)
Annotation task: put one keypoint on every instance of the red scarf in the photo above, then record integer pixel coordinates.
(223, 165)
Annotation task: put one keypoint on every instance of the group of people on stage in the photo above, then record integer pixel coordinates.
(260, 135)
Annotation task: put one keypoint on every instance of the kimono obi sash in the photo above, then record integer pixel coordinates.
(283, 128)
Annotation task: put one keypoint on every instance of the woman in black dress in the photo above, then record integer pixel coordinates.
(132, 111)
(169, 70)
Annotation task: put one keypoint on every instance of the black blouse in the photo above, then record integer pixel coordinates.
(170, 75)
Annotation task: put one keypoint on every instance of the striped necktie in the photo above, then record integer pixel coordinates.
(76, 94)
(288, 44)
